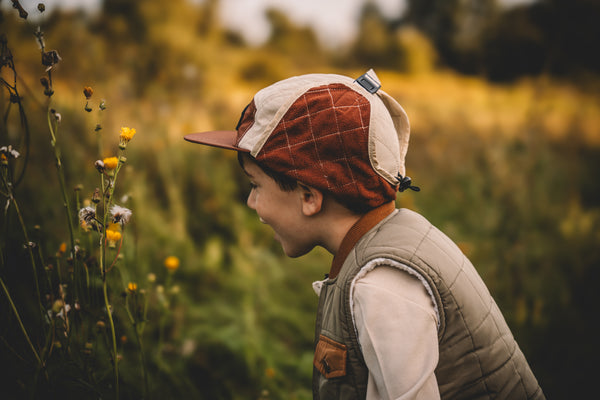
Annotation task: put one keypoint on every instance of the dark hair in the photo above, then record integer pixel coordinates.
(285, 183)
(288, 184)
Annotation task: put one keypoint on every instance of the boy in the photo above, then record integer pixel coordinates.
(402, 313)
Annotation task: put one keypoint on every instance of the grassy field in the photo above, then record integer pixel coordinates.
(508, 171)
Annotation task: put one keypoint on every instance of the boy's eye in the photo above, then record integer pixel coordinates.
(253, 185)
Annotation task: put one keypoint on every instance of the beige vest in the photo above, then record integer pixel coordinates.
(478, 356)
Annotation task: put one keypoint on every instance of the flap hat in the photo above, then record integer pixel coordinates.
(342, 136)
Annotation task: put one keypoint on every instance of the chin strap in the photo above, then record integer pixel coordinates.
(405, 183)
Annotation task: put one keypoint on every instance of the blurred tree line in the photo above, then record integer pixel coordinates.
(480, 37)
(509, 175)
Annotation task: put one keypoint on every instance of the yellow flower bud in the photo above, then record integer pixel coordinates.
(171, 263)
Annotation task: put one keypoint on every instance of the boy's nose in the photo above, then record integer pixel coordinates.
(250, 201)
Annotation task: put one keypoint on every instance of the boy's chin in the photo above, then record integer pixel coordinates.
(295, 252)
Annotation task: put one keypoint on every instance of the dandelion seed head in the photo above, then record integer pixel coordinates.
(87, 215)
(120, 215)
(99, 164)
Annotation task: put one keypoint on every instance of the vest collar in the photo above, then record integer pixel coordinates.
(362, 226)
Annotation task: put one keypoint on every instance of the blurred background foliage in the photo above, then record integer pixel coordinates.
(505, 144)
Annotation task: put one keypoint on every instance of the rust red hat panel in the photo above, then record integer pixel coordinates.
(340, 135)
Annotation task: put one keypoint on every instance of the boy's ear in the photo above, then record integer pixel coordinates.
(312, 199)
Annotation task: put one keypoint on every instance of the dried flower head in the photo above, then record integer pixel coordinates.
(110, 162)
(99, 164)
(41, 7)
(87, 215)
(171, 263)
(50, 59)
(48, 91)
(88, 92)
(97, 196)
(120, 215)
(9, 152)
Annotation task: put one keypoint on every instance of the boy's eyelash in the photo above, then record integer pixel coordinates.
(253, 185)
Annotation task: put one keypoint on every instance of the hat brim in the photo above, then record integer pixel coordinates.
(222, 139)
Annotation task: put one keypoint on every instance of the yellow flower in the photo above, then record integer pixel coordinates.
(113, 234)
(63, 248)
(132, 287)
(270, 372)
(171, 263)
(126, 134)
(110, 162)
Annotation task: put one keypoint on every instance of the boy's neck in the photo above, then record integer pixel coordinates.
(352, 234)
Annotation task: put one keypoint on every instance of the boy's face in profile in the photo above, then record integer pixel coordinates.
(281, 210)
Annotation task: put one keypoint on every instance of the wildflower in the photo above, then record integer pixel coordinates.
(47, 86)
(120, 215)
(171, 263)
(102, 105)
(151, 277)
(100, 324)
(132, 287)
(113, 234)
(41, 7)
(110, 162)
(9, 151)
(87, 215)
(57, 306)
(125, 136)
(97, 196)
(88, 92)
(57, 116)
(99, 164)
(175, 289)
(62, 248)
(3, 159)
(63, 312)
(50, 59)
(270, 372)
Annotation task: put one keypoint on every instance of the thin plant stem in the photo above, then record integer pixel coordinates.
(61, 179)
(14, 308)
(113, 337)
(138, 330)
(28, 243)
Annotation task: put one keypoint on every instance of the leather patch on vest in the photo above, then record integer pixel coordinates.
(330, 358)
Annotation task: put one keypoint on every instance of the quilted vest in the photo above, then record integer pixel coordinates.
(478, 356)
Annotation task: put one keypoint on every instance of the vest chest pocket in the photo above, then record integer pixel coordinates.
(330, 358)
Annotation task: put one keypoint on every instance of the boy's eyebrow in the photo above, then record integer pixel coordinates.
(248, 174)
